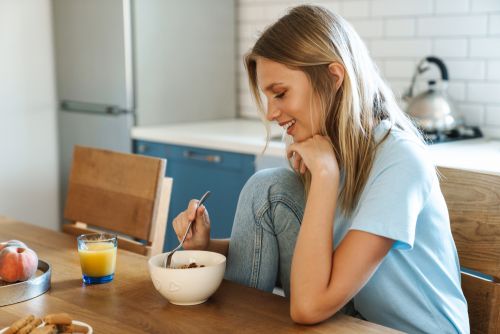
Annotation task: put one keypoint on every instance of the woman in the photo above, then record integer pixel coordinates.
(362, 218)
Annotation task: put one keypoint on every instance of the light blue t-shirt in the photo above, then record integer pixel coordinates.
(416, 288)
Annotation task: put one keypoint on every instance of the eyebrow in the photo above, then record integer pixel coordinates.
(271, 86)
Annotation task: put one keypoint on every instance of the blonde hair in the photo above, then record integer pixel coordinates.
(309, 38)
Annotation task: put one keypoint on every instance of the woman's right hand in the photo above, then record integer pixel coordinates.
(199, 235)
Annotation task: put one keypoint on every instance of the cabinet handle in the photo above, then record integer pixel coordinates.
(141, 148)
(202, 157)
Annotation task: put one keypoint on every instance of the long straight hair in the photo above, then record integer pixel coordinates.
(309, 38)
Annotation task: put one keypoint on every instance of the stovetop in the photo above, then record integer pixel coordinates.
(460, 133)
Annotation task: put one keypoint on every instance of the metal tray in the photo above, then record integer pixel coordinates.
(21, 291)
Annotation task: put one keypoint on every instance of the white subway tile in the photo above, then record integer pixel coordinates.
(473, 113)
(456, 90)
(240, 67)
(450, 48)
(484, 92)
(243, 85)
(249, 113)
(452, 6)
(333, 6)
(401, 8)
(469, 45)
(493, 72)
(491, 131)
(452, 26)
(485, 47)
(244, 46)
(246, 99)
(275, 11)
(248, 13)
(494, 28)
(398, 87)
(354, 9)
(399, 69)
(466, 69)
(290, 3)
(244, 2)
(400, 27)
(248, 31)
(379, 63)
(368, 28)
(493, 115)
(401, 47)
(485, 5)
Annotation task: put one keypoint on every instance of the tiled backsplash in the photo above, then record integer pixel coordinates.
(398, 33)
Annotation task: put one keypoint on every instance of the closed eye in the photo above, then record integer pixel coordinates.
(279, 96)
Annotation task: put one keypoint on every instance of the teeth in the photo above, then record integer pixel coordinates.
(289, 124)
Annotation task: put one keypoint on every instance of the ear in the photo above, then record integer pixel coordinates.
(337, 71)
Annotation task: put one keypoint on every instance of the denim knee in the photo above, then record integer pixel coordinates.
(270, 186)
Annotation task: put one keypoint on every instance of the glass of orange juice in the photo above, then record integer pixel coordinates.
(97, 257)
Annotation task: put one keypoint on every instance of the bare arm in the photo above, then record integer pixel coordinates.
(219, 246)
(324, 280)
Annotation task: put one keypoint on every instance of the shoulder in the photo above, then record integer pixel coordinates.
(403, 152)
(402, 161)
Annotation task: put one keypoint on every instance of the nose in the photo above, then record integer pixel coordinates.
(272, 112)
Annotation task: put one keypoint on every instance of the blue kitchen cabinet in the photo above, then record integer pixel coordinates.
(195, 171)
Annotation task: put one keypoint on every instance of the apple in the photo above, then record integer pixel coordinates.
(16, 243)
(17, 263)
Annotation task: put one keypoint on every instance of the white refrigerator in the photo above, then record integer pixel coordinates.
(121, 63)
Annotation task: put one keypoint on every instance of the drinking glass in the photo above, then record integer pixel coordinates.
(97, 257)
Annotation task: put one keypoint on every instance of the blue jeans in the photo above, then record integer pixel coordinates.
(265, 230)
(266, 225)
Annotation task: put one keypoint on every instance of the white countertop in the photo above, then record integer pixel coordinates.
(249, 136)
(232, 135)
(475, 154)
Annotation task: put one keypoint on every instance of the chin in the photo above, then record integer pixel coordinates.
(301, 138)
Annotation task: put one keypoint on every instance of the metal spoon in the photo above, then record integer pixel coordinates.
(168, 259)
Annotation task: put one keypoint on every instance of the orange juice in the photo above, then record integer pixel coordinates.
(98, 259)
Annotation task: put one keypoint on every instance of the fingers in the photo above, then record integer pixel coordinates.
(297, 161)
(191, 209)
(181, 222)
(303, 168)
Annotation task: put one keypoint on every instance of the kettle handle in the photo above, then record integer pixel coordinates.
(441, 65)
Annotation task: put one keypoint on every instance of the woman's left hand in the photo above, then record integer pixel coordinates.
(315, 154)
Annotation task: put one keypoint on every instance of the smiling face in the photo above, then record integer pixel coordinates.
(288, 93)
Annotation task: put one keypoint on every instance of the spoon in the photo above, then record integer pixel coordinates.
(168, 259)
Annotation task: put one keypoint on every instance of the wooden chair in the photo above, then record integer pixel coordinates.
(122, 193)
(473, 200)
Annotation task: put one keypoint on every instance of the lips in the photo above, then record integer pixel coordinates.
(287, 124)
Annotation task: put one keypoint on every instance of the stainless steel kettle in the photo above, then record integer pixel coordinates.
(432, 110)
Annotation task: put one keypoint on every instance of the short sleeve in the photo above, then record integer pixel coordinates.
(396, 192)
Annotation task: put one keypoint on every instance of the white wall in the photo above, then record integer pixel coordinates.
(398, 33)
(28, 148)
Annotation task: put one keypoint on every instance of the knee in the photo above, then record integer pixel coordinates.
(274, 181)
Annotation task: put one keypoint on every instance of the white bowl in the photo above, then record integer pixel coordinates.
(188, 286)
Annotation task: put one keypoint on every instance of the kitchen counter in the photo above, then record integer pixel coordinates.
(232, 135)
(481, 154)
(249, 137)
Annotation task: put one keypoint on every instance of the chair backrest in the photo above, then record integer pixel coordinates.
(473, 200)
(123, 193)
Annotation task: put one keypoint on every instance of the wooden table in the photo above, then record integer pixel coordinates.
(130, 304)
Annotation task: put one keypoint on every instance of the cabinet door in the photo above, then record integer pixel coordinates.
(195, 171)
(91, 47)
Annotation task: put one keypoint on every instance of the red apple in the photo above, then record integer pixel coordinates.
(17, 263)
(16, 243)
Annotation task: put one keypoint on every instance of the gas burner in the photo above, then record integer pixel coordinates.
(460, 133)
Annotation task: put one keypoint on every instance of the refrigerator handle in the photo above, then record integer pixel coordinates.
(93, 108)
